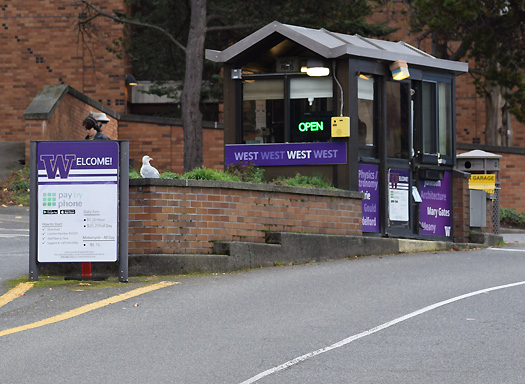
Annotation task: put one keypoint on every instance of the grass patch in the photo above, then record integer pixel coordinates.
(112, 282)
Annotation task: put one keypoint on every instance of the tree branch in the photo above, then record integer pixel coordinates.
(229, 27)
(461, 51)
(132, 22)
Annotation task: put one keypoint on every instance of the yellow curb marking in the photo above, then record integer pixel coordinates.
(87, 308)
(12, 294)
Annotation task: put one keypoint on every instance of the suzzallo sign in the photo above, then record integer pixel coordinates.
(486, 182)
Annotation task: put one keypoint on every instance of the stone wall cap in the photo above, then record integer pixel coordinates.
(246, 186)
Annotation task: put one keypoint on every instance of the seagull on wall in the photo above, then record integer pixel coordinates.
(148, 171)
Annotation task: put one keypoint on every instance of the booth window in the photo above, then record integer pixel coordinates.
(398, 119)
(311, 109)
(263, 111)
(366, 114)
(308, 118)
(437, 118)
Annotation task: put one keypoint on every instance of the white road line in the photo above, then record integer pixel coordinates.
(371, 331)
(508, 249)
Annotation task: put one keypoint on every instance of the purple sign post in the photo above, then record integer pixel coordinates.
(435, 209)
(286, 154)
(369, 185)
(77, 201)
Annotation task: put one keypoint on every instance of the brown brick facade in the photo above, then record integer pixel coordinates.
(65, 121)
(160, 138)
(187, 216)
(461, 207)
(163, 141)
(41, 45)
(512, 177)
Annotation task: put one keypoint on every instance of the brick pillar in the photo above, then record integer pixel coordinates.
(460, 206)
(490, 222)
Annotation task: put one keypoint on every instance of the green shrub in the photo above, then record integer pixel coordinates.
(209, 174)
(305, 181)
(246, 172)
(133, 174)
(170, 175)
(511, 217)
(15, 190)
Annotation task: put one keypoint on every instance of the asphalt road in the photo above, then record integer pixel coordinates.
(14, 243)
(446, 317)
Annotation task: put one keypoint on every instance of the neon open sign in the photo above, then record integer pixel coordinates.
(311, 126)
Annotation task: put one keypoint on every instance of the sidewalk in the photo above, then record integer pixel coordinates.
(512, 235)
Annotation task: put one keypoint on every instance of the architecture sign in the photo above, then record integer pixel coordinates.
(435, 208)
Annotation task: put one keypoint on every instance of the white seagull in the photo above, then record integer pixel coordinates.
(147, 171)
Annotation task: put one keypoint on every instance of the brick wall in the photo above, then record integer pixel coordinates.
(187, 216)
(41, 45)
(512, 176)
(162, 139)
(58, 111)
(461, 207)
(65, 120)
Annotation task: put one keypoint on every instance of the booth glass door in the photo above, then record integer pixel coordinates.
(399, 178)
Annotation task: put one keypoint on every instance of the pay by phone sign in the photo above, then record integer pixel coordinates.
(485, 183)
(77, 201)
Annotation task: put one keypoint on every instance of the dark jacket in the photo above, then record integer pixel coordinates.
(98, 136)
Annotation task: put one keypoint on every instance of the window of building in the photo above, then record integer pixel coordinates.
(366, 114)
(263, 111)
(311, 109)
(265, 118)
(436, 117)
(398, 117)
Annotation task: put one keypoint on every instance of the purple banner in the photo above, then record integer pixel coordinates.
(286, 154)
(435, 209)
(369, 185)
(83, 162)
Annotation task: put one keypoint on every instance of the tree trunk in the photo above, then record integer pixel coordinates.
(494, 116)
(191, 93)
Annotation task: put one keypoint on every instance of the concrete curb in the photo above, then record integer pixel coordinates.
(280, 248)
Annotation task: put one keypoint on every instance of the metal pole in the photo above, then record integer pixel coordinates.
(33, 212)
(123, 211)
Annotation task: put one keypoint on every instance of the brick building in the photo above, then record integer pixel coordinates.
(43, 45)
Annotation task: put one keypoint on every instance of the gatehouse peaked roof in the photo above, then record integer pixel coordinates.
(332, 45)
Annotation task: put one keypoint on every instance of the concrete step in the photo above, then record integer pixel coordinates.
(280, 248)
(145, 265)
